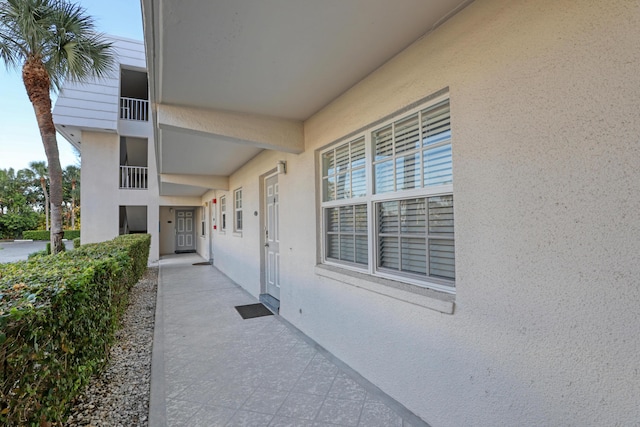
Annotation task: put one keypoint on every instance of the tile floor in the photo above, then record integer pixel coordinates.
(212, 368)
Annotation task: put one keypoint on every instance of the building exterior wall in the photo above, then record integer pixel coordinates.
(166, 209)
(95, 104)
(101, 195)
(544, 109)
(92, 108)
(99, 207)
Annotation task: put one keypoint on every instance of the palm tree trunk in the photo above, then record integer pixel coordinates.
(46, 202)
(38, 85)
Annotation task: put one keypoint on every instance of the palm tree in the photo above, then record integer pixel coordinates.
(51, 40)
(39, 169)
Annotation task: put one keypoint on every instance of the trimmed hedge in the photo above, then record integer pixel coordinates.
(58, 316)
(45, 234)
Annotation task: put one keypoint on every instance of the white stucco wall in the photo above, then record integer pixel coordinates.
(101, 196)
(544, 107)
(98, 190)
(166, 209)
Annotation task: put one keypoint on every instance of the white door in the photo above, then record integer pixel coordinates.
(185, 231)
(272, 238)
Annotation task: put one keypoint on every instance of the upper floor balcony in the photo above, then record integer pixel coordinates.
(134, 163)
(134, 95)
(134, 109)
(134, 177)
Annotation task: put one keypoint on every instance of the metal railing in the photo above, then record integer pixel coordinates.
(134, 177)
(134, 109)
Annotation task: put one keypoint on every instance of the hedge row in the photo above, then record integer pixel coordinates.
(45, 234)
(58, 316)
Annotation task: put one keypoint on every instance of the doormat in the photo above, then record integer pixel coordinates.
(202, 263)
(253, 310)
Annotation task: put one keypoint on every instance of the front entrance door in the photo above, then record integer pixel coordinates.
(272, 238)
(185, 231)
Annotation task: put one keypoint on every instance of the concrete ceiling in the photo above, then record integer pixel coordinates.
(168, 189)
(278, 59)
(204, 155)
(282, 58)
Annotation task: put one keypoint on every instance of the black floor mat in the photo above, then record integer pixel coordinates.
(253, 310)
(202, 263)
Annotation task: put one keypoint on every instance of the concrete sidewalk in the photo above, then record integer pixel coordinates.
(212, 368)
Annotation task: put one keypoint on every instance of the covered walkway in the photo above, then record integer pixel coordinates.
(211, 367)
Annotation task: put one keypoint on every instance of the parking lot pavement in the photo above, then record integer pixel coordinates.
(16, 251)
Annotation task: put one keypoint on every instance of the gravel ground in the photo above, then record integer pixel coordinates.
(120, 396)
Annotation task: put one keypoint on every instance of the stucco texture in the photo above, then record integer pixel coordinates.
(544, 100)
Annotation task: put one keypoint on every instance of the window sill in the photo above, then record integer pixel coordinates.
(412, 294)
(237, 233)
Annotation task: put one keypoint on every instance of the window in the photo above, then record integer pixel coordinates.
(399, 222)
(223, 213)
(237, 199)
(203, 227)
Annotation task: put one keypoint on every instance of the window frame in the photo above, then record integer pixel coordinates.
(203, 226)
(237, 211)
(372, 199)
(223, 214)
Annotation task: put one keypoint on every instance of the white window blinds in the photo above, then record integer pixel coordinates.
(343, 172)
(400, 216)
(415, 236)
(346, 237)
(414, 152)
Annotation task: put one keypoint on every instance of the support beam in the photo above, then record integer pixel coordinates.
(258, 131)
(211, 182)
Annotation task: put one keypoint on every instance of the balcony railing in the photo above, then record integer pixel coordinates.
(134, 109)
(134, 177)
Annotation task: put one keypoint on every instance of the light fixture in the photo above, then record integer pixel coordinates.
(282, 167)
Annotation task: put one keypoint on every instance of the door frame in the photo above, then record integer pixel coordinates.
(193, 230)
(264, 296)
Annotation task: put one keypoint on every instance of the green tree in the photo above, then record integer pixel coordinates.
(71, 179)
(52, 40)
(17, 199)
(39, 169)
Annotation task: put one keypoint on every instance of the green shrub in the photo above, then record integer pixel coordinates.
(71, 234)
(36, 234)
(76, 243)
(58, 315)
(45, 235)
(38, 254)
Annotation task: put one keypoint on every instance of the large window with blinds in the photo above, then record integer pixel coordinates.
(387, 199)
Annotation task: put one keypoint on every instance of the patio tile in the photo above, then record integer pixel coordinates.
(279, 421)
(231, 396)
(320, 365)
(265, 401)
(211, 416)
(313, 383)
(375, 414)
(222, 370)
(200, 392)
(179, 412)
(345, 388)
(303, 406)
(340, 411)
(249, 419)
(176, 386)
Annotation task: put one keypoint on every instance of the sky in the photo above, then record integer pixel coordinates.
(20, 141)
